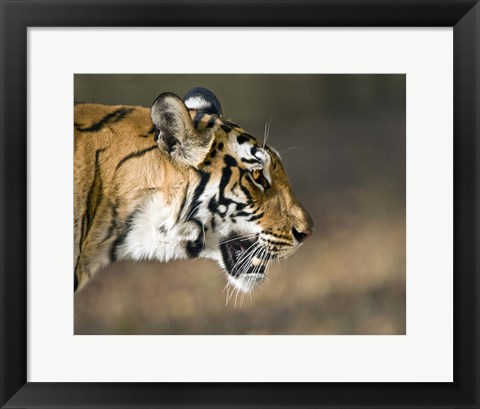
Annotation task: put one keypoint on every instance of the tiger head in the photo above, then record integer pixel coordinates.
(242, 206)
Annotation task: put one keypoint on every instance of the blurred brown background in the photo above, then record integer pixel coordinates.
(342, 139)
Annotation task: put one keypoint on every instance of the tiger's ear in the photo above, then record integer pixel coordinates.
(176, 133)
(203, 100)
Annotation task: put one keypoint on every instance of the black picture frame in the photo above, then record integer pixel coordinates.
(18, 15)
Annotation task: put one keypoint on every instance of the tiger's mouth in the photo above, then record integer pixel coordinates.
(243, 256)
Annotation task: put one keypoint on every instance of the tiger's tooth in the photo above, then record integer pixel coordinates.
(256, 261)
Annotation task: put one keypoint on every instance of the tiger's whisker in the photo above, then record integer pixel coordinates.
(289, 149)
(267, 131)
(246, 236)
(244, 256)
(192, 212)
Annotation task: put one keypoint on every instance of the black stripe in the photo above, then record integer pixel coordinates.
(75, 279)
(277, 243)
(244, 138)
(278, 236)
(121, 238)
(110, 118)
(243, 173)
(150, 132)
(251, 160)
(242, 214)
(198, 117)
(195, 247)
(134, 155)
(229, 160)
(96, 191)
(226, 175)
(113, 224)
(80, 244)
(94, 197)
(184, 201)
(256, 217)
(192, 211)
(211, 122)
(246, 192)
(226, 128)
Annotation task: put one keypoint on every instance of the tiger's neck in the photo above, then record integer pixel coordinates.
(168, 224)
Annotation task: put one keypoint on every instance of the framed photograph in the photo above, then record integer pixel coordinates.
(254, 234)
(239, 204)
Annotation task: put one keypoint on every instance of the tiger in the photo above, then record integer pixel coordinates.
(179, 181)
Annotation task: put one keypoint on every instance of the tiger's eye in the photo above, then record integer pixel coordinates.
(256, 174)
(258, 178)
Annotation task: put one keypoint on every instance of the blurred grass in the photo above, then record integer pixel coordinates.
(343, 138)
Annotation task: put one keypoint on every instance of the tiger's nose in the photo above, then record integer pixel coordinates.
(301, 236)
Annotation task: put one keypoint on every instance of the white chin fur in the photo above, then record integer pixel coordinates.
(246, 282)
